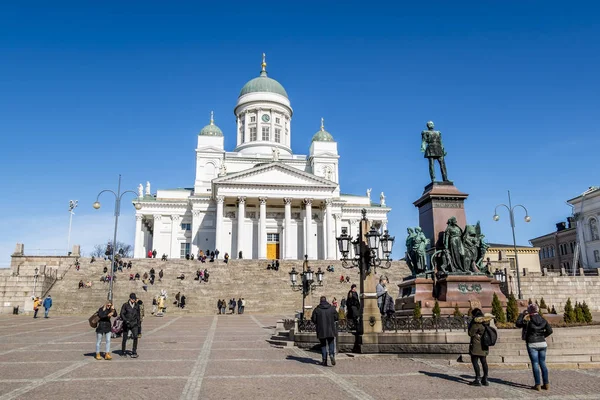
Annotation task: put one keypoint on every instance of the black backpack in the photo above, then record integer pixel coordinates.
(489, 337)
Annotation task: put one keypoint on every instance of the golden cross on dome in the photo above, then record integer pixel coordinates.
(212, 119)
(264, 62)
(322, 123)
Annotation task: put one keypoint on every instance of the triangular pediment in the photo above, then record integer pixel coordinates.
(274, 173)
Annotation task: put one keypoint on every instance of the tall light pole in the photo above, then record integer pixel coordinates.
(35, 278)
(308, 282)
(366, 259)
(511, 212)
(72, 206)
(118, 197)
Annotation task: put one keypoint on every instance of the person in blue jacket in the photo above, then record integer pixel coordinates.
(47, 304)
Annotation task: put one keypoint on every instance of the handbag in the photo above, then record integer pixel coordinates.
(93, 320)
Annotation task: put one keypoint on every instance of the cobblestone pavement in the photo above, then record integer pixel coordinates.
(227, 357)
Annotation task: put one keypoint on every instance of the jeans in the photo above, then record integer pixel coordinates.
(46, 311)
(475, 361)
(134, 332)
(223, 310)
(538, 361)
(99, 341)
(327, 342)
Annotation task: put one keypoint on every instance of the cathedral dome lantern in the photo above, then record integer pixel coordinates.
(211, 129)
(322, 135)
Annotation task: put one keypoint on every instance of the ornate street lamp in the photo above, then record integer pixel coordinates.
(366, 253)
(308, 283)
(118, 197)
(511, 213)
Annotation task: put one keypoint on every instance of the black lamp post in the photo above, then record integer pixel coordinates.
(308, 282)
(366, 248)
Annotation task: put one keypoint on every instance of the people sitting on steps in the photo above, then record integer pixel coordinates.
(164, 257)
(182, 276)
(226, 258)
(81, 285)
(330, 268)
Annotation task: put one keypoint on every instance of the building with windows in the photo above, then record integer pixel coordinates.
(586, 209)
(259, 201)
(557, 249)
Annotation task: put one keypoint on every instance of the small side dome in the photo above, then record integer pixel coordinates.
(211, 129)
(322, 135)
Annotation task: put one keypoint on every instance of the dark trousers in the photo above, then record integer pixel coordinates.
(35, 312)
(134, 332)
(475, 361)
(325, 343)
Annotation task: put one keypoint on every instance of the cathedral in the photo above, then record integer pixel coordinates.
(259, 201)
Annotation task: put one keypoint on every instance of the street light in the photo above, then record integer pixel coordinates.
(35, 278)
(308, 283)
(72, 205)
(366, 248)
(96, 205)
(511, 213)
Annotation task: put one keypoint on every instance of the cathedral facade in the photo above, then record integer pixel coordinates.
(259, 201)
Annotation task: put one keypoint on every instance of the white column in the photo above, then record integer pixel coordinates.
(331, 231)
(195, 228)
(337, 232)
(157, 242)
(174, 253)
(219, 222)
(138, 247)
(308, 230)
(287, 234)
(240, 227)
(262, 229)
(324, 228)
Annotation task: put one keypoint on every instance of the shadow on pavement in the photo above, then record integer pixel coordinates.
(447, 377)
(304, 360)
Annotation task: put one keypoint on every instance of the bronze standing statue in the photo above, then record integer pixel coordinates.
(432, 146)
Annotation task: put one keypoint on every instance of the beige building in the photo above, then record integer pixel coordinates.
(557, 249)
(503, 256)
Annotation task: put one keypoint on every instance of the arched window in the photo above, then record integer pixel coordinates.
(594, 229)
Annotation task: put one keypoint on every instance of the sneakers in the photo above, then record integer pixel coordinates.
(123, 353)
(476, 382)
(107, 356)
(98, 356)
(134, 355)
(537, 388)
(332, 359)
(546, 386)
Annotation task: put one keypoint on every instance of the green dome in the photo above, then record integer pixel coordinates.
(211, 129)
(322, 135)
(263, 84)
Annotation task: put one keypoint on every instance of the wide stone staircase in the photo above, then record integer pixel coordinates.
(577, 347)
(265, 291)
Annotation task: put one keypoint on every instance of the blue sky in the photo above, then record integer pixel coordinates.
(88, 91)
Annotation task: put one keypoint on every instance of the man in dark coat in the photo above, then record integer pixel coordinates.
(353, 306)
(324, 317)
(130, 313)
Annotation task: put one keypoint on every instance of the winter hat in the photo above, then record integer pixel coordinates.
(532, 309)
(132, 296)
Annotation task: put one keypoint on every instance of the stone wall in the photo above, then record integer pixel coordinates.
(556, 289)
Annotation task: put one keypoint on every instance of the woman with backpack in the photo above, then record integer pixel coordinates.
(535, 330)
(104, 329)
(477, 349)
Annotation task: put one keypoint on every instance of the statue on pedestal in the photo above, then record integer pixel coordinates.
(463, 250)
(433, 149)
(148, 188)
(369, 193)
(141, 191)
(416, 251)
(382, 199)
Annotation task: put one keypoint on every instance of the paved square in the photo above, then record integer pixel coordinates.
(227, 357)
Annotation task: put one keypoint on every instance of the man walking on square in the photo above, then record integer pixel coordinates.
(130, 313)
(47, 305)
(324, 317)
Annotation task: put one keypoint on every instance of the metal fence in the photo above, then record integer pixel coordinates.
(343, 325)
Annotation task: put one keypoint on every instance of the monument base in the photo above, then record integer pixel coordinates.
(465, 291)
